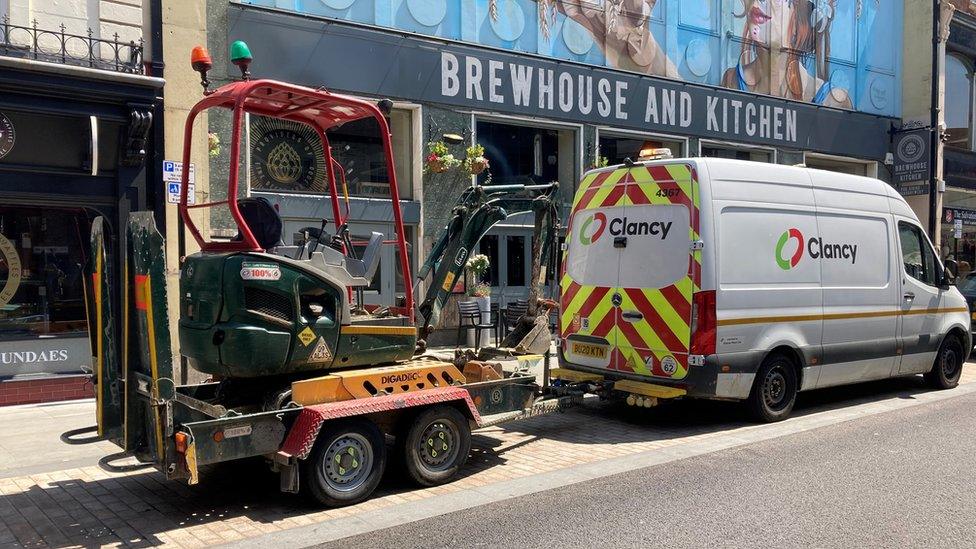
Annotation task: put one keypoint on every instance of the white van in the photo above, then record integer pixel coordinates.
(751, 281)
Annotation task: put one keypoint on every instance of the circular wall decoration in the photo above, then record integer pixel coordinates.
(8, 255)
(429, 13)
(878, 92)
(338, 4)
(576, 38)
(510, 23)
(698, 57)
(286, 156)
(8, 135)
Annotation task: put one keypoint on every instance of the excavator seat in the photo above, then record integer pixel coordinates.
(263, 220)
(366, 267)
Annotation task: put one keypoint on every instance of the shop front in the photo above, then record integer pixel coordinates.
(73, 145)
(548, 106)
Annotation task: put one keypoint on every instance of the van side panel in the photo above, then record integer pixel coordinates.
(860, 292)
(767, 295)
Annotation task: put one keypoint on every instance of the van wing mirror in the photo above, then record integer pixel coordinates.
(949, 273)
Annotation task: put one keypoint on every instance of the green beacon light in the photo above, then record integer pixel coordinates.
(240, 55)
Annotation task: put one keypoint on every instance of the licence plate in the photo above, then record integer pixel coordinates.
(588, 350)
(973, 316)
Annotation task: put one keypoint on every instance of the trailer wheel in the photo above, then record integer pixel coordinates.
(436, 445)
(346, 463)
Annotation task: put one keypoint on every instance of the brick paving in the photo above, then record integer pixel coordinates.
(83, 507)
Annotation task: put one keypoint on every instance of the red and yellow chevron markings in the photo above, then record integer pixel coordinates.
(664, 330)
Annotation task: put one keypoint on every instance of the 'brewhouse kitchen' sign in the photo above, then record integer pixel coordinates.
(317, 52)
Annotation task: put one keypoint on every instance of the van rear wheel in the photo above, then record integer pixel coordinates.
(947, 369)
(774, 390)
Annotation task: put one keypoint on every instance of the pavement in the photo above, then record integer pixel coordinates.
(54, 495)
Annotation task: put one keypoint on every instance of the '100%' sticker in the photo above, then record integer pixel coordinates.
(260, 271)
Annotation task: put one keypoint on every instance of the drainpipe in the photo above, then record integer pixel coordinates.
(153, 28)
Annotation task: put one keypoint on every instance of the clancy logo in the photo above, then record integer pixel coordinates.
(600, 218)
(788, 263)
(815, 247)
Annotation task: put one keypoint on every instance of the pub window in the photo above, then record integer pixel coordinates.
(736, 153)
(617, 147)
(958, 102)
(289, 157)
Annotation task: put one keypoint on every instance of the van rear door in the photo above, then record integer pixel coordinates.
(588, 318)
(630, 271)
(659, 270)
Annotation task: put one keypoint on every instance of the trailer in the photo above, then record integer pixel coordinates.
(325, 390)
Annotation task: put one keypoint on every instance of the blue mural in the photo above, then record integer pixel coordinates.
(838, 53)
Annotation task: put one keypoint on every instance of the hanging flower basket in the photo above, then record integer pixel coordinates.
(478, 165)
(436, 165)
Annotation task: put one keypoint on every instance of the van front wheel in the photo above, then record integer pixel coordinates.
(947, 369)
(774, 390)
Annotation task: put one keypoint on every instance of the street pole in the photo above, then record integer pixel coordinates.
(934, 123)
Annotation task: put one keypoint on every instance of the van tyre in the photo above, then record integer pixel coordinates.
(947, 369)
(774, 390)
(346, 463)
(435, 445)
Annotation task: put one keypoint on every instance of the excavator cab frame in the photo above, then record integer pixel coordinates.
(316, 108)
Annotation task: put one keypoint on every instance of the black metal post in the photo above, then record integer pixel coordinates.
(934, 146)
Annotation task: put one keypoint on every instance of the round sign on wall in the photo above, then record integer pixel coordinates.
(10, 260)
(286, 157)
(7, 135)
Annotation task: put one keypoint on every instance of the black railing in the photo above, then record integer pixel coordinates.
(58, 46)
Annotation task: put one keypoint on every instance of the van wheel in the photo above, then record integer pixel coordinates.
(947, 369)
(435, 445)
(346, 463)
(774, 391)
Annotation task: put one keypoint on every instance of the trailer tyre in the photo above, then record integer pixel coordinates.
(774, 391)
(346, 463)
(435, 445)
(947, 369)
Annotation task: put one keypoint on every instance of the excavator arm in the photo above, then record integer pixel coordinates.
(477, 210)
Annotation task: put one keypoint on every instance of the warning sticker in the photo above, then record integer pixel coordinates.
(321, 353)
(260, 271)
(306, 336)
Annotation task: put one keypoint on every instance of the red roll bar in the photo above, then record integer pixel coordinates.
(316, 108)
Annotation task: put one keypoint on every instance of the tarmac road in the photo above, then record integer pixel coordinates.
(902, 478)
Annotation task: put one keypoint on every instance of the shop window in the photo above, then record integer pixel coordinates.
(755, 155)
(290, 157)
(616, 148)
(43, 252)
(958, 102)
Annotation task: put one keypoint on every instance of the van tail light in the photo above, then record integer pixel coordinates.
(704, 323)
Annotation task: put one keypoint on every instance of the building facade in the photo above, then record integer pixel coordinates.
(551, 88)
(76, 141)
